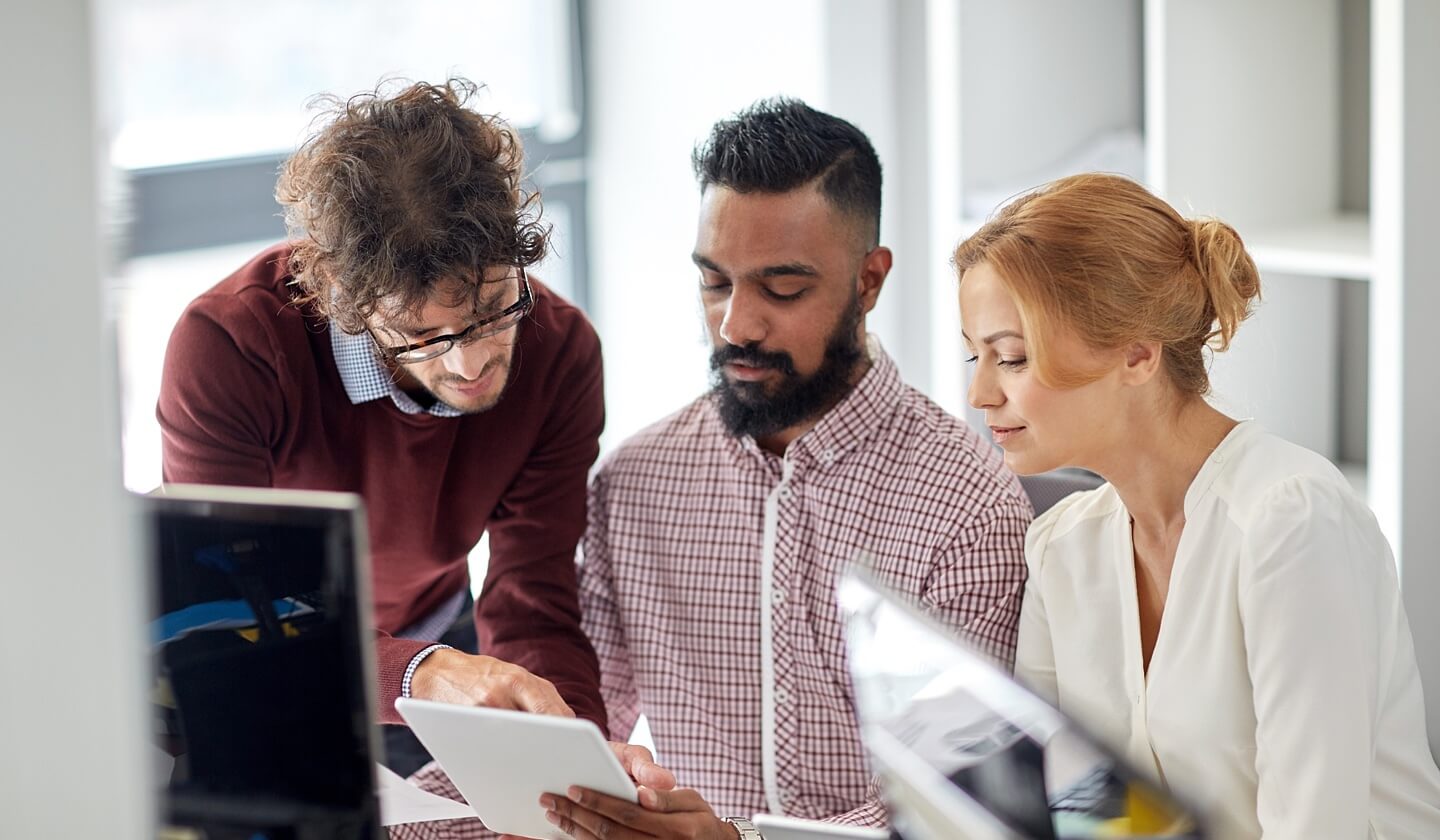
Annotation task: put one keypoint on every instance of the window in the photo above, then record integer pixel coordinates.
(224, 80)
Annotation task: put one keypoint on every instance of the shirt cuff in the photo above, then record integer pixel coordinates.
(415, 663)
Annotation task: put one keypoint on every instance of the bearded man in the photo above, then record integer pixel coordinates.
(716, 536)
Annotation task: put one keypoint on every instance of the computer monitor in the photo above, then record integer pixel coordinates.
(963, 750)
(262, 654)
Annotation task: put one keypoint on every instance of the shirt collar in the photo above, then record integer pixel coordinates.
(1226, 452)
(850, 423)
(366, 379)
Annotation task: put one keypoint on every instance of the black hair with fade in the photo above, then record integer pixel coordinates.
(780, 144)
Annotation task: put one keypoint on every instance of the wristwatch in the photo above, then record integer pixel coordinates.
(747, 829)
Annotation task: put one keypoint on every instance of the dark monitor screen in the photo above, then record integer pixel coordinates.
(262, 714)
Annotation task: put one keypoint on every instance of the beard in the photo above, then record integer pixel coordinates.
(474, 405)
(750, 408)
(429, 390)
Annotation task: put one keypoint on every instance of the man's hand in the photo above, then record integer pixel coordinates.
(682, 814)
(450, 676)
(641, 766)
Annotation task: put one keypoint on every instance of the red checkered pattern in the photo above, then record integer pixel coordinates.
(708, 587)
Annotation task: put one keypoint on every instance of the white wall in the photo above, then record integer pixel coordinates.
(71, 662)
(659, 75)
(1405, 297)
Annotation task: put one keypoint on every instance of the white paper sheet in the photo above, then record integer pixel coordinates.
(402, 802)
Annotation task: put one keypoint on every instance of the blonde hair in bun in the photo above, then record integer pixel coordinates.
(1103, 257)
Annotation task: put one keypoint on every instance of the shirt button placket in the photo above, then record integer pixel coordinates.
(786, 546)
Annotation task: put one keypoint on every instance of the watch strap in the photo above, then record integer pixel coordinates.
(747, 829)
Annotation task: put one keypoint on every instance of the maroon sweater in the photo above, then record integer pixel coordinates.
(251, 396)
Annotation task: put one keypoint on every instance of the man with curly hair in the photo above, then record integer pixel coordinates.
(397, 347)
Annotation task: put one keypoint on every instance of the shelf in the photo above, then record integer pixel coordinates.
(1334, 247)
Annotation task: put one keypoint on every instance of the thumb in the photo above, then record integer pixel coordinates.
(640, 764)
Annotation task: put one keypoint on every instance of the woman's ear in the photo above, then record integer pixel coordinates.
(1142, 362)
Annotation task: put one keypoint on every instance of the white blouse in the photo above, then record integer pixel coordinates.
(1283, 695)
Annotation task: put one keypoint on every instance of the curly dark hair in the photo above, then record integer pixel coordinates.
(780, 144)
(398, 193)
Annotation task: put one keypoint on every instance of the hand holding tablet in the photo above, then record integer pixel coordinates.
(503, 761)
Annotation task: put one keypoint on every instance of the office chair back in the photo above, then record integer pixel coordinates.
(1047, 489)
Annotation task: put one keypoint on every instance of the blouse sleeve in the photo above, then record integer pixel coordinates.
(1315, 576)
(1034, 650)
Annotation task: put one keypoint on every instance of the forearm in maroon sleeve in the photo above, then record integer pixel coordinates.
(529, 609)
(392, 657)
(533, 620)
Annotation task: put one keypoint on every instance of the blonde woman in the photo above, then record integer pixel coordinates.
(1224, 609)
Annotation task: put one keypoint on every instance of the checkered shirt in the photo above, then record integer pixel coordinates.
(708, 587)
(365, 379)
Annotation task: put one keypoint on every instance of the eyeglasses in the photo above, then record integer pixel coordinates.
(409, 354)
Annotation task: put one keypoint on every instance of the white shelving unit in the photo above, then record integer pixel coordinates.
(1243, 116)
(1309, 125)
(1335, 246)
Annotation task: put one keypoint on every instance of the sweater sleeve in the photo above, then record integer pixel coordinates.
(221, 405)
(529, 612)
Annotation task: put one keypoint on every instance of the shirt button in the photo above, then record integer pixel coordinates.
(827, 457)
(782, 697)
(777, 597)
(784, 494)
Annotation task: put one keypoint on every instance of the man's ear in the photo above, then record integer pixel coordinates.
(1142, 361)
(873, 271)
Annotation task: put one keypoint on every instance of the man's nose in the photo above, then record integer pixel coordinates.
(744, 321)
(467, 361)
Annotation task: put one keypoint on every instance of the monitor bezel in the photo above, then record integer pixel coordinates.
(341, 517)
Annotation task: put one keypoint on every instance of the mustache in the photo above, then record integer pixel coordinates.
(451, 378)
(752, 356)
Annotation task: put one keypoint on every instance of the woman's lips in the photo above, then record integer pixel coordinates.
(1000, 434)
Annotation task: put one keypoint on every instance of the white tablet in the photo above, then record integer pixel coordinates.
(503, 761)
(789, 828)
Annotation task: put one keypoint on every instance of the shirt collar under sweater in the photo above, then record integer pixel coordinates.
(366, 379)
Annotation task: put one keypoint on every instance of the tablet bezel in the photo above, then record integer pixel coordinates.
(775, 827)
(502, 761)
